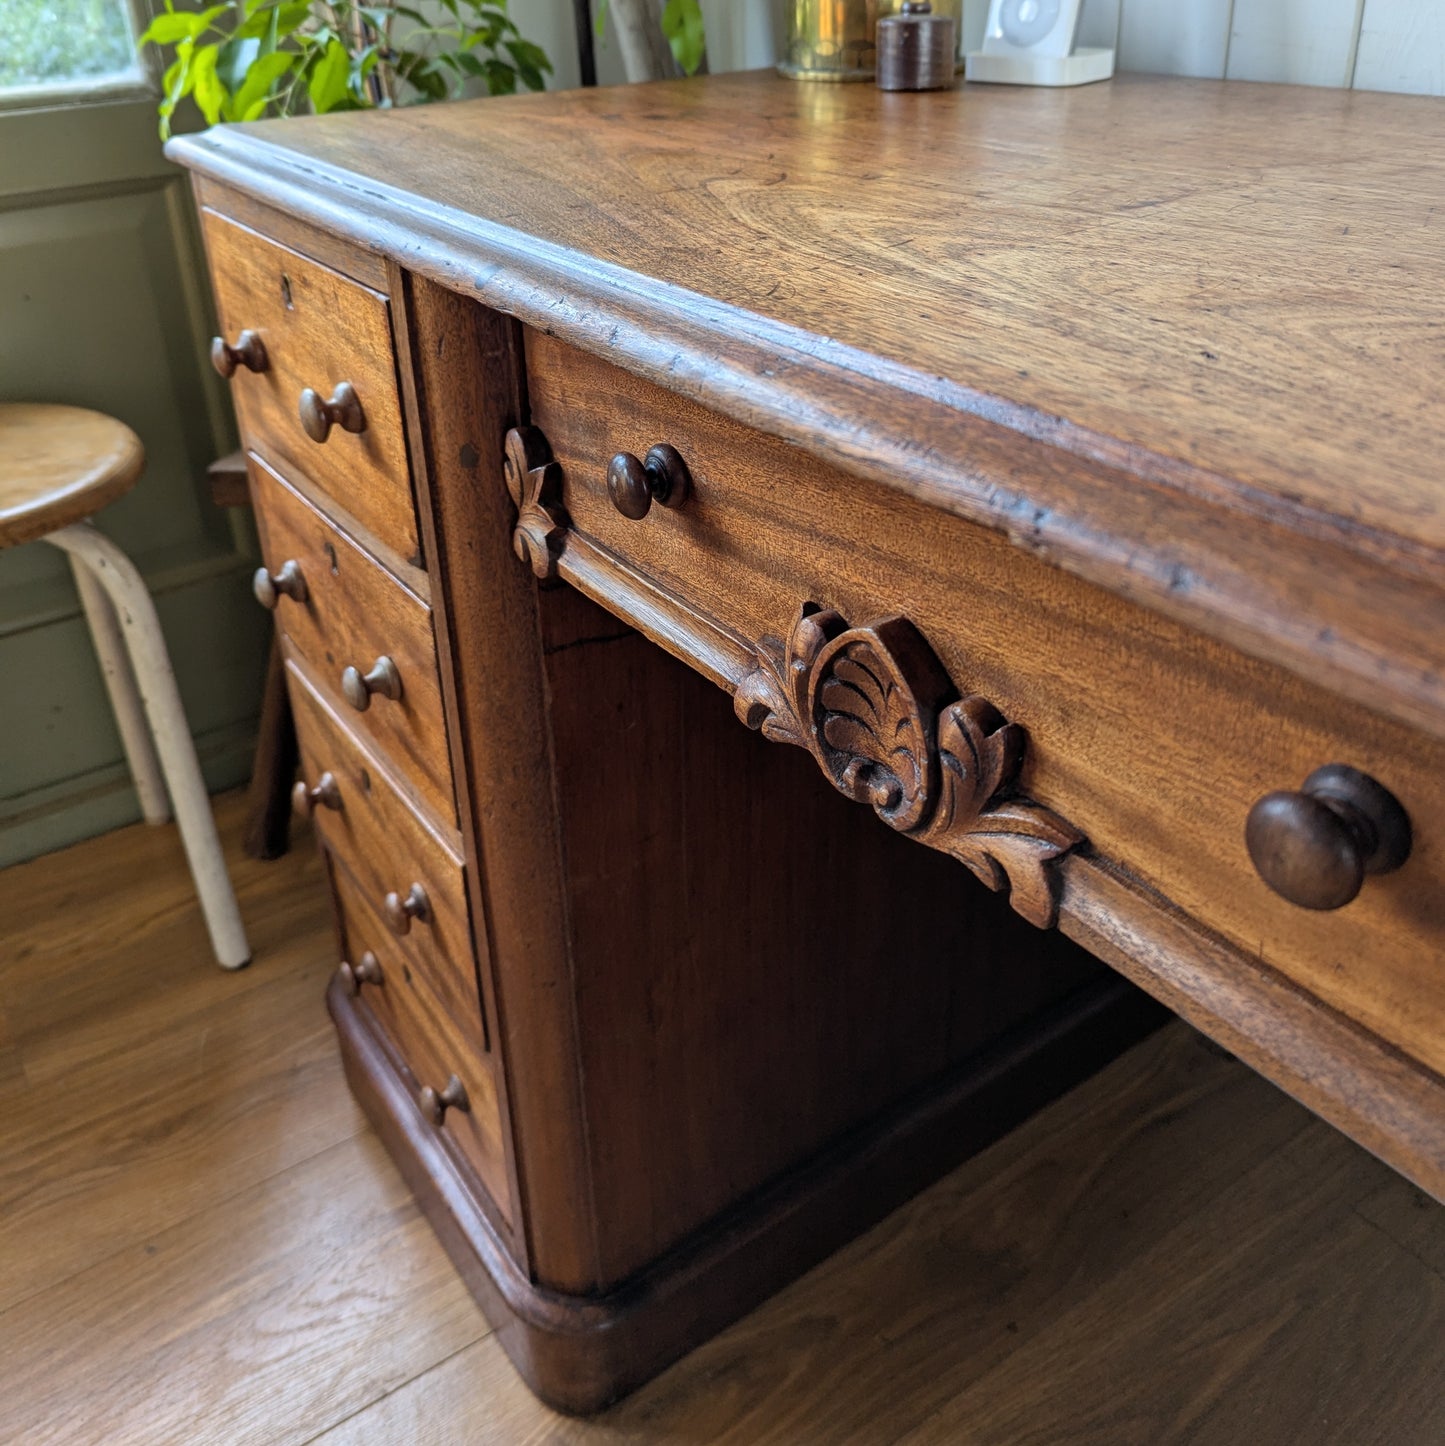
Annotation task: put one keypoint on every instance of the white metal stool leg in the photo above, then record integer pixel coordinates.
(135, 735)
(151, 666)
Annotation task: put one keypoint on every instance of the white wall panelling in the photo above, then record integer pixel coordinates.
(1177, 37)
(1099, 22)
(1298, 42)
(1402, 46)
(1380, 44)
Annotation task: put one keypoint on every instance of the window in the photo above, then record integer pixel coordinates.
(48, 47)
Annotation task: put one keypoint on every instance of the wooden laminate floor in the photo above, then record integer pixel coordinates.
(201, 1241)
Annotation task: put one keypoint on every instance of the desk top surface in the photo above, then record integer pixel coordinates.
(1230, 297)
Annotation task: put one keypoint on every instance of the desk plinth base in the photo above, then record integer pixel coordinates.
(578, 1353)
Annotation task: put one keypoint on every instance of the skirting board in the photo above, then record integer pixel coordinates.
(579, 1354)
(102, 799)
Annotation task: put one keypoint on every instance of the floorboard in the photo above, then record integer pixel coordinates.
(202, 1241)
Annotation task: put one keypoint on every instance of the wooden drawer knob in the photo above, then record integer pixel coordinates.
(249, 352)
(326, 794)
(661, 476)
(435, 1106)
(366, 970)
(1315, 847)
(401, 910)
(318, 415)
(271, 587)
(357, 687)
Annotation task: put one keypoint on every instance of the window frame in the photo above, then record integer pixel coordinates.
(139, 82)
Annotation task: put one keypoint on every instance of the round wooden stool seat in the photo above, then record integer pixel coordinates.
(59, 465)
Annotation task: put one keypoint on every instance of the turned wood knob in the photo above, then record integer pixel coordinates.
(271, 587)
(661, 476)
(366, 970)
(401, 909)
(318, 415)
(435, 1106)
(357, 687)
(307, 800)
(1314, 847)
(249, 352)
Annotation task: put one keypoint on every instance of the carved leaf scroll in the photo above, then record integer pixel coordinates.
(535, 482)
(877, 710)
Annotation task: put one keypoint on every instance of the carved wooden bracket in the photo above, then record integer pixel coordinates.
(877, 710)
(535, 482)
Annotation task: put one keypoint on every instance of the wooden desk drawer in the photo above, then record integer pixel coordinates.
(319, 330)
(392, 851)
(354, 615)
(1152, 741)
(423, 1025)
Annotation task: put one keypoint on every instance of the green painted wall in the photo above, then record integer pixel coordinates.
(103, 304)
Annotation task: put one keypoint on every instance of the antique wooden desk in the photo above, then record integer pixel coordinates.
(1061, 471)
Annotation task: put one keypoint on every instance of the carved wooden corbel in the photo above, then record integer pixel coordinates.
(535, 482)
(880, 714)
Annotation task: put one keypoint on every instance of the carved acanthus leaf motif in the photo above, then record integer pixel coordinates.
(535, 482)
(878, 711)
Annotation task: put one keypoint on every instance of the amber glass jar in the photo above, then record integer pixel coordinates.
(834, 39)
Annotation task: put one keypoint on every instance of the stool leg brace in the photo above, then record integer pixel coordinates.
(118, 607)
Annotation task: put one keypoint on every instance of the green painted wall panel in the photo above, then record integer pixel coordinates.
(103, 304)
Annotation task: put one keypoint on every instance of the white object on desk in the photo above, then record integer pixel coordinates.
(1031, 42)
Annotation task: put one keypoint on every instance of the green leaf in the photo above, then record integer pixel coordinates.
(362, 65)
(683, 27)
(167, 29)
(326, 85)
(531, 62)
(600, 24)
(210, 93)
(286, 19)
(250, 100)
(235, 61)
(427, 79)
(501, 78)
(179, 78)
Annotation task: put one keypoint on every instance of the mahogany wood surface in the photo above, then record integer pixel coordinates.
(389, 847)
(320, 330)
(1151, 742)
(250, 211)
(1065, 314)
(435, 1037)
(675, 909)
(582, 1352)
(748, 367)
(60, 465)
(354, 612)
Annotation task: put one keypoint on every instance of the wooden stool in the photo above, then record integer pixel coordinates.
(59, 466)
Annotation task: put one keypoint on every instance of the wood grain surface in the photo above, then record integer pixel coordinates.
(389, 846)
(1152, 741)
(1177, 336)
(713, 953)
(436, 1036)
(216, 1250)
(60, 465)
(355, 612)
(319, 329)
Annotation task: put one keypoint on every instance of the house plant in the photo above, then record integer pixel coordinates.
(243, 59)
